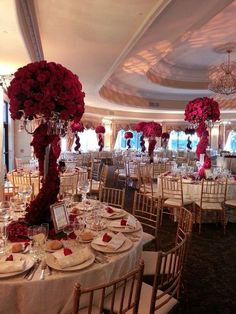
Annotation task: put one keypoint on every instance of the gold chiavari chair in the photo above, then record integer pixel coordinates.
(162, 296)
(146, 184)
(69, 183)
(212, 200)
(172, 194)
(123, 295)
(113, 197)
(230, 200)
(96, 185)
(185, 223)
(25, 178)
(147, 210)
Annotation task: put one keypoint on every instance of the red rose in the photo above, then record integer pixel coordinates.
(123, 222)
(128, 135)
(67, 251)
(100, 129)
(106, 237)
(109, 210)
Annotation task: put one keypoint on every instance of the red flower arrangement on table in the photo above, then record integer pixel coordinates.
(198, 112)
(139, 128)
(164, 139)
(128, 135)
(45, 90)
(151, 130)
(100, 130)
(77, 127)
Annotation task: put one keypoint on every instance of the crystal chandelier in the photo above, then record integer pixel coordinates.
(223, 77)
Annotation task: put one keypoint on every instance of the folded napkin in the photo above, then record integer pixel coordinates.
(17, 265)
(117, 241)
(124, 223)
(111, 211)
(76, 258)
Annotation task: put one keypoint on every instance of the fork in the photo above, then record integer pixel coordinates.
(31, 275)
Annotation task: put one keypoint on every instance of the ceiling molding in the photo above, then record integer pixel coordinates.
(29, 28)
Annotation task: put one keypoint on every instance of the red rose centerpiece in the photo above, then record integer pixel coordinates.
(53, 95)
(128, 135)
(100, 130)
(77, 127)
(139, 127)
(200, 112)
(152, 130)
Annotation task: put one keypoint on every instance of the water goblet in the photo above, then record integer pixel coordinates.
(25, 191)
(68, 230)
(83, 187)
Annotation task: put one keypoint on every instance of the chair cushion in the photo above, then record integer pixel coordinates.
(231, 203)
(210, 206)
(144, 302)
(150, 259)
(177, 202)
(147, 237)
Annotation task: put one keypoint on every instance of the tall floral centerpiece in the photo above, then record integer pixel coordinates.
(100, 131)
(165, 139)
(139, 127)
(152, 130)
(201, 113)
(52, 95)
(77, 127)
(128, 135)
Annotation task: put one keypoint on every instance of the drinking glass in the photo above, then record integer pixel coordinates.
(17, 206)
(68, 230)
(45, 230)
(5, 207)
(3, 237)
(78, 226)
(83, 187)
(25, 191)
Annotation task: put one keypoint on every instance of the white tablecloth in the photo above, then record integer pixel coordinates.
(54, 295)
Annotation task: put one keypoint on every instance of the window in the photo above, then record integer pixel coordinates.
(231, 142)
(178, 140)
(121, 141)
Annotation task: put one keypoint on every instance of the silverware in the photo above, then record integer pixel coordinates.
(28, 272)
(49, 271)
(36, 266)
(43, 268)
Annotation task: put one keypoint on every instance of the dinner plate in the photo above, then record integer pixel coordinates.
(117, 215)
(29, 262)
(124, 229)
(52, 262)
(125, 247)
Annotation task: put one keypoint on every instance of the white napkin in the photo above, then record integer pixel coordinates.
(117, 241)
(114, 213)
(131, 223)
(76, 258)
(99, 241)
(16, 265)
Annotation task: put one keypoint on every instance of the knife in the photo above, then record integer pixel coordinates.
(34, 270)
(43, 267)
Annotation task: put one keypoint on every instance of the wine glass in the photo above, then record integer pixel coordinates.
(78, 226)
(84, 188)
(3, 237)
(45, 230)
(5, 207)
(25, 191)
(68, 230)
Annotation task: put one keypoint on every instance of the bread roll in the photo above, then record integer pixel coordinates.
(86, 236)
(17, 248)
(54, 245)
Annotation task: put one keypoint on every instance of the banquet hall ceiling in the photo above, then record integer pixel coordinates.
(136, 59)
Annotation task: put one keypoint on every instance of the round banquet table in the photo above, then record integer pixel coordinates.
(54, 295)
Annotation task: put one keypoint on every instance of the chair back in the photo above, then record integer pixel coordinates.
(20, 178)
(114, 197)
(104, 174)
(69, 183)
(213, 192)
(124, 292)
(185, 224)
(82, 176)
(167, 279)
(172, 188)
(95, 169)
(148, 211)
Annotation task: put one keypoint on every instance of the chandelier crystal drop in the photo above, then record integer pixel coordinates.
(223, 77)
